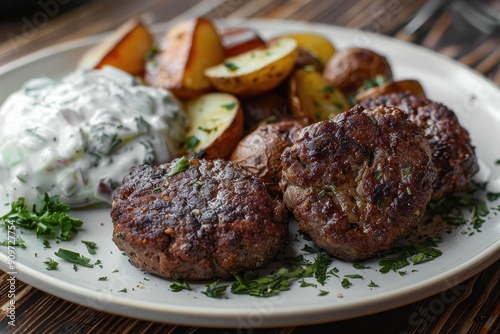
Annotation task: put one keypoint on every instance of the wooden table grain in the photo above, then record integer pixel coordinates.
(474, 305)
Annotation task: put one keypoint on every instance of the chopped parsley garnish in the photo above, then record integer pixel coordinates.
(345, 283)
(231, 66)
(73, 257)
(333, 272)
(21, 179)
(251, 284)
(304, 284)
(378, 80)
(406, 171)
(152, 52)
(373, 285)
(190, 143)
(270, 285)
(328, 88)
(378, 174)
(103, 278)
(18, 242)
(339, 105)
(309, 249)
(51, 264)
(322, 193)
(214, 291)
(156, 190)
(209, 130)
(50, 221)
(179, 286)
(331, 187)
(91, 246)
(354, 276)
(320, 266)
(181, 165)
(323, 293)
(46, 243)
(492, 196)
(360, 266)
(123, 290)
(228, 106)
(416, 253)
(408, 190)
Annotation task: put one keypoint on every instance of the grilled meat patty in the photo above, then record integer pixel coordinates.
(452, 152)
(360, 182)
(213, 219)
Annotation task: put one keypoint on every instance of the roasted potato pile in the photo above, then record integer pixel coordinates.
(233, 83)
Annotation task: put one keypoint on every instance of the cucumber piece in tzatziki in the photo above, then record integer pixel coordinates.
(79, 136)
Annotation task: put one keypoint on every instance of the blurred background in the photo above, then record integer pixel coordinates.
(462, 29)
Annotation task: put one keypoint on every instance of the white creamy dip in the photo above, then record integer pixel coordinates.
(80, 136)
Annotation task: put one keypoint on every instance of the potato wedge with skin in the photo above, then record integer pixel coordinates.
(238, 40)
(315, 44)
(313, 97)
(186, 51)
(125, 49)
(255, 72)
(215, 125)
(402, 86)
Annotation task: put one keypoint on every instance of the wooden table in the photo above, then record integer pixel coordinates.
(476, 307)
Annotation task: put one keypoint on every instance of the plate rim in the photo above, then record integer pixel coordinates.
(226, 316)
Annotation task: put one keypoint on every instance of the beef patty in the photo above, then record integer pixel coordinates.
(452, 152)
(211, 220)
(360, 182)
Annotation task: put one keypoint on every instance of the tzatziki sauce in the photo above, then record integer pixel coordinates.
(79, 136)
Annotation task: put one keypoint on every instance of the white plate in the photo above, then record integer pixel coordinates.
(474, 99)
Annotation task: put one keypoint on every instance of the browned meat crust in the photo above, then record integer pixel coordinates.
(359, 183)
(211, 220)
(452, 152)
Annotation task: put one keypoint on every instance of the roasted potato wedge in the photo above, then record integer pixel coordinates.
(125, 49)
(315, 44)
(403, 86)
(311, 96)
(215, 125)
(260, 151)
(238, 40)
(257, 71)
(186, 51)
(347, 70)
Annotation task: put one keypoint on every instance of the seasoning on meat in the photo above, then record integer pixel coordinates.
(360, 182)
(209, 219)
(452, 152)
